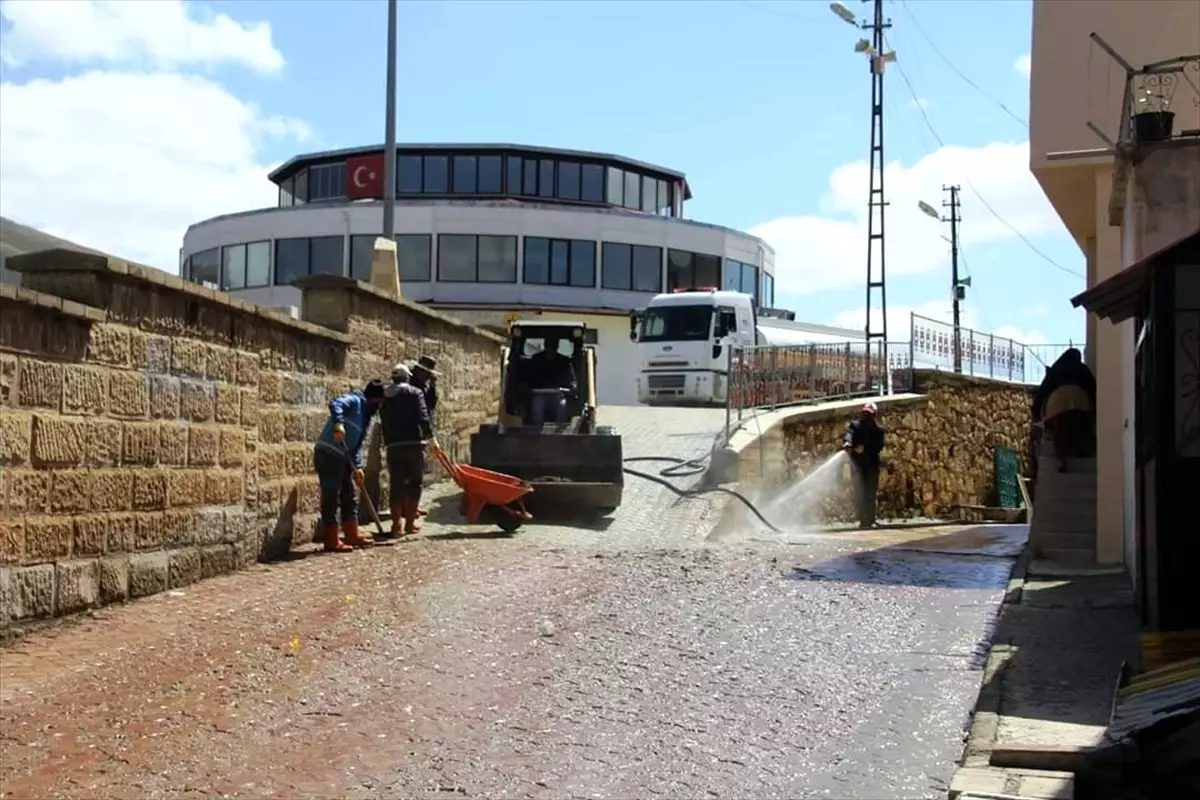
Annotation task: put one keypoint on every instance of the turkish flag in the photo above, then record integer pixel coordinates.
(364, 177)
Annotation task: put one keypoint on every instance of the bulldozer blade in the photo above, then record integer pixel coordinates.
(555, 497)
(585, 470)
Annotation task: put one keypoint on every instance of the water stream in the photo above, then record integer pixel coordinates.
(796, 505)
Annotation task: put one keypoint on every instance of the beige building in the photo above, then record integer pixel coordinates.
(1122, 197)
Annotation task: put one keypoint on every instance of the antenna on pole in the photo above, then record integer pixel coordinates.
(878, 58)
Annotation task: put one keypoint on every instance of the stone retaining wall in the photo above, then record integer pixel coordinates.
(153, 432)
(940, 449)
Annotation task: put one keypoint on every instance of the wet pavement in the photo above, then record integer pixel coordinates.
(552, 664)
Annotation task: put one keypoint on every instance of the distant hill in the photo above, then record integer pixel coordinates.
(17, 239)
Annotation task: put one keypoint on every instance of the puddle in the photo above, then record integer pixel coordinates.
(910, 567)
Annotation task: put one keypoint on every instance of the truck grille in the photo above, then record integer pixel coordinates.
(666, 382)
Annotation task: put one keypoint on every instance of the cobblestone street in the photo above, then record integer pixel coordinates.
(634, 658)
(512, 668)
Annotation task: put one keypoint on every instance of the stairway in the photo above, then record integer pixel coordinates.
(1064, 510)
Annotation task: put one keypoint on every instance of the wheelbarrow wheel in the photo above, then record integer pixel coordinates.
(505, 521)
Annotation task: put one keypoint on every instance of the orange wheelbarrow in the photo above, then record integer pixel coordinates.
(492, 495)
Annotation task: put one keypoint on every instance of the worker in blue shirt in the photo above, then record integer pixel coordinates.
(338, 460)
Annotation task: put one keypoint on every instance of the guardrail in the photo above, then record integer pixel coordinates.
(933, 345)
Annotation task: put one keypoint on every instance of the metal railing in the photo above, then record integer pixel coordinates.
(768, 377)
(933, 345)
(1160, 102)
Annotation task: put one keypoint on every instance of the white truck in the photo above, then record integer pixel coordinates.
(684, 342)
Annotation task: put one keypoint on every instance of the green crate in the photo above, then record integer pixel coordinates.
(1008, 478)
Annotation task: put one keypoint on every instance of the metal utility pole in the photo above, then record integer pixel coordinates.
(877, 58)
(876, 249)
(389, 153)
(955, 285)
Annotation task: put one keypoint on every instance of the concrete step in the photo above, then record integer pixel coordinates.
(1070, 508)
(1050, 463)
(1041, 526)
(1069, 557)
(1074, 498)
(1052, 477)
(1067, 517)
(1058, 540)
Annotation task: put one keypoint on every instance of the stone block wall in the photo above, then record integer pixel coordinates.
(153, 433)
(940, 449)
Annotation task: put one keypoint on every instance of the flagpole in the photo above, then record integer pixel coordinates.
(389, 153)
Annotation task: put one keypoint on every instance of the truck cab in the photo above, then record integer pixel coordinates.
(685, 341)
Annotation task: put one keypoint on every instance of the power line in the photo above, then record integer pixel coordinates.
(933, 131)
(778, 13)
(957, 71)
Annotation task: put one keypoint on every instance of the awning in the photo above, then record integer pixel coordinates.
(1119, 298)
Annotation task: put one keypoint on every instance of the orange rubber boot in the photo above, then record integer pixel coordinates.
(353, 537)
(333, 544)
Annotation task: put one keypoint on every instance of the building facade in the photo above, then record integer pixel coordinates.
(489, 233)
(1114, 136)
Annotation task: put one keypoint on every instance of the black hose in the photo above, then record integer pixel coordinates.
(696, 466)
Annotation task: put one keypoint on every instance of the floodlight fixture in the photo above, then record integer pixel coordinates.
(863, 46)
(844, 14)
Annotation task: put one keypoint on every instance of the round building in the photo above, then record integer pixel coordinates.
(487, 233)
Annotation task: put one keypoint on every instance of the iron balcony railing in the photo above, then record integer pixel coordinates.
(1160, 102)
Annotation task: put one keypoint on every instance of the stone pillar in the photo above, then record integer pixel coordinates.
(385, 268)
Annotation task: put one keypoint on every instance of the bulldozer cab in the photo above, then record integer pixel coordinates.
(525, 359)
(575, 464)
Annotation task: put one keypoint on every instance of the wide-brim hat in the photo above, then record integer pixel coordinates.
(426, 364)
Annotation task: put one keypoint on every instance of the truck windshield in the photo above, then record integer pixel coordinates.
(677, 324)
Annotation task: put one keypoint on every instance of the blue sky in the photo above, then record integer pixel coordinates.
(764, 105)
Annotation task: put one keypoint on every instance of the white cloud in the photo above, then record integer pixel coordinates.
(828, 251)
(919, 102)
(1023, 65)
(161, 34)
(124, 161)
(899, 321)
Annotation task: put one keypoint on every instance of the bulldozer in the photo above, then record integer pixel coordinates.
(573, 463)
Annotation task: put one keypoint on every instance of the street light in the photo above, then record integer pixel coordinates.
(844, 14)
(929, 210)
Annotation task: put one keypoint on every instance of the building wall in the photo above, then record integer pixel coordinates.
(153, 433)
(499, 218)
(1074, 82)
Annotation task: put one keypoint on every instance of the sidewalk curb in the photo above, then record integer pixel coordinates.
(985, 718)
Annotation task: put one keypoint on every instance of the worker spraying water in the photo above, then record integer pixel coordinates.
(864, 440)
